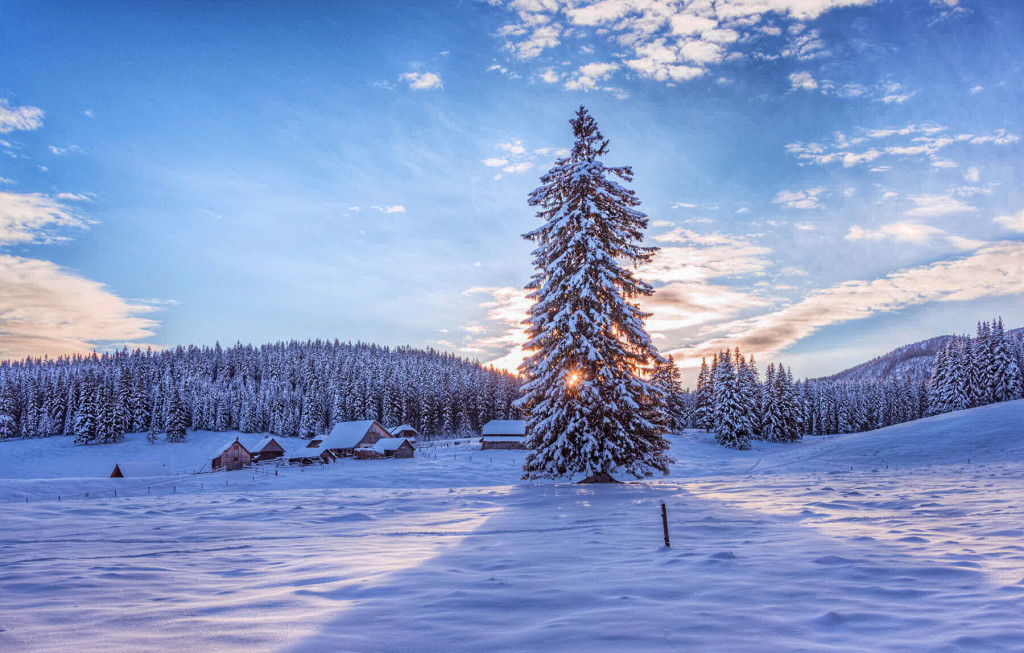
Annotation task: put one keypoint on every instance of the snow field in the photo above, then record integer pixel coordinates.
(779, 548)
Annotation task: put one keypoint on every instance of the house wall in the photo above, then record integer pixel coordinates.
(404, 451)
(502, 444)
(235, 457)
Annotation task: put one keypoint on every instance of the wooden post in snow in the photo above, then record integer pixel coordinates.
(664, 522)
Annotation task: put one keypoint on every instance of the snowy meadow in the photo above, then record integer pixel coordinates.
(908, 537)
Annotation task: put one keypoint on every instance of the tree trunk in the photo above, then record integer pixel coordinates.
(600, 477)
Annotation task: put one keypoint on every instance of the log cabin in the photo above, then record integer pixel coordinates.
(262, 447)
(504, 434)
(346, 437)
(394, 448)
(405, 431)
(231, 456)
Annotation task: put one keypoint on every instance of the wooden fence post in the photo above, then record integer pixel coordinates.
(664, 522)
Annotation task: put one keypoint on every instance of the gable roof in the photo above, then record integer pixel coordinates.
(403, 427)
(390, 444)
(132, 469)
(505, 427)
(346, 435)
(256, 443)
(304, 452)
(216, 453)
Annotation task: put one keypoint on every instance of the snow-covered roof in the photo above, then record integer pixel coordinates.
(304, 452)
(216, 453)
(255, 443)
(404, 427)
(134, 469)
(389, 444)
(505, 427)
(347, 435)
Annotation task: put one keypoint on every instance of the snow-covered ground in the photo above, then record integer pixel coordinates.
(911, 537)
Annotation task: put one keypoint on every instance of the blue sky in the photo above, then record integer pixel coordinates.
(828, 178)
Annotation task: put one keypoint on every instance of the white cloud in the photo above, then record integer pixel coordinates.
(64, 151)
(588, 76)
(972, 175)
(513, 147)
(501, 338)
(803, 80)
(74, 197)
(665, 40)
(395, 208)
(422, 81)
(31, 217)
(800, 199)
(935, 205)
(495, 163)
(47, 310)
(23, 118)
(549, 76)
(994, 270)
(911, 232)
(522, 166)
(918, 141)
(1013, 222)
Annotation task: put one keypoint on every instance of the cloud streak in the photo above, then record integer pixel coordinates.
(24, 118)
(33, 218)
(994, 270)
(48, 310)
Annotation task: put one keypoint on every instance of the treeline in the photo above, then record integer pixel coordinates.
(290, 389)
(971, 372)
(731, 400)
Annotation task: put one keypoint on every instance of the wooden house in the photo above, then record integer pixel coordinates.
(405, 431)
(504, 434)
(262, 447)
(138, 470)
(394, 448)
(310, 455)
(346, 437)
(231, 456)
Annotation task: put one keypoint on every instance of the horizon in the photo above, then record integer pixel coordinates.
(828, 181)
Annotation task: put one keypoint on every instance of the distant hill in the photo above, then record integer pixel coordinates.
(913, 360)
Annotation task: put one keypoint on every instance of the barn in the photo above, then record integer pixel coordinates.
(394, 448)
(130, 469)
(262, 447)
(405, 431)
(309, 455)
(346, 437)
(232, 455)
(504, 434)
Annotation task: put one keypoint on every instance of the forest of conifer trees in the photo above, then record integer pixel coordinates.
(731, 400)
(304, 388)
(291, 389)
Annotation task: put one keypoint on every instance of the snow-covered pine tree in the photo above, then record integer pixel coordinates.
(731, 427)
(667, 377)
(8, 410)
(789, 400)
(771, 413)
(87, 414)
(588, 407)
(177, 417)
(750, 390)
(1006, 385)
(705, 410)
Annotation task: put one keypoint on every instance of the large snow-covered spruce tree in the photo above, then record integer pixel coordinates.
(589, 405)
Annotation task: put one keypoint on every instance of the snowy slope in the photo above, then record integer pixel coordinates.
(777, 548)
